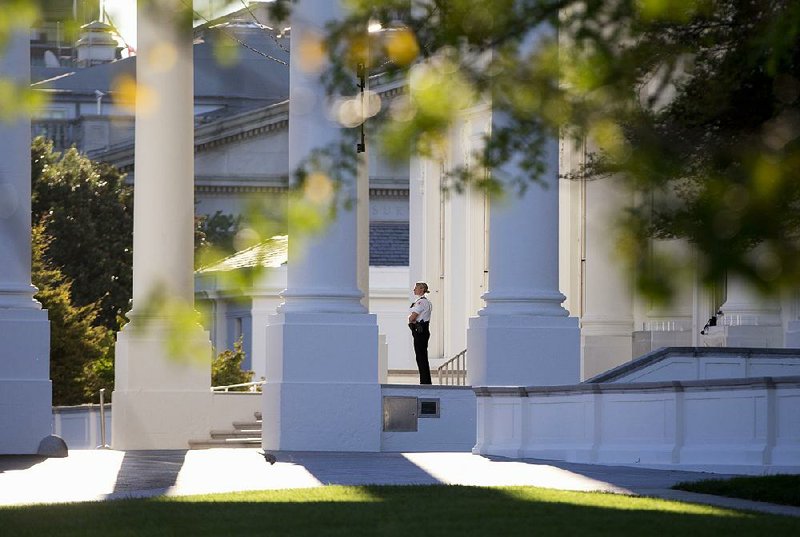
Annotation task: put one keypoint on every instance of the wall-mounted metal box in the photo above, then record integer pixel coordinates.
(400, 414)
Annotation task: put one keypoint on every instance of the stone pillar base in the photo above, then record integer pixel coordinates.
(762, 337)
(792, 336)
(26, 414)
(25, 390)
(161, 401)
(322, 391)
(646, 341)
(523, 350)
(601, 353)
(159, 419)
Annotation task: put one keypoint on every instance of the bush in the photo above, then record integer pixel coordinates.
(226, 369)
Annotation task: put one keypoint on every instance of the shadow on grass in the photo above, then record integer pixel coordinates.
(781, 489)
(392, 511)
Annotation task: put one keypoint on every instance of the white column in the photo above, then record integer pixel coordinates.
(322, 391)
(791, 316)
(607, 320)
(524, 336)
(25, 391)
(161, 397)
(426, 238)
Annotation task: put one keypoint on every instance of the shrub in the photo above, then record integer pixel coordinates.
(226, 369)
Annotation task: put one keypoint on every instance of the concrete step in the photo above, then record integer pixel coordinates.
(241, 433)
(225, 443)
(245, 425)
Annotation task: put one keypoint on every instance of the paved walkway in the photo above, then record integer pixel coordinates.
(106, 474)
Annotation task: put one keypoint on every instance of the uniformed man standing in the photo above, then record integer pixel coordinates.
(419, 322)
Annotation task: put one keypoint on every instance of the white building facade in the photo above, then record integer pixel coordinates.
(530, 286)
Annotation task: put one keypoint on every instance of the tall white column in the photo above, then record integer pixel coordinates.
(322, 391)
(25, 391)
(607, 320)
(790, 313)
(161, 396)
(426, 239)
(524, 336)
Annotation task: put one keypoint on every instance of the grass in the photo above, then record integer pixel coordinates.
(440, 511)
(780, 489)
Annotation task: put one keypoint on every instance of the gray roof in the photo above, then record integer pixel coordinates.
(251, 76)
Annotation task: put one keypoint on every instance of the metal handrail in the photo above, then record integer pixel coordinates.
(252, 386)
(454, 371)
(103, 443)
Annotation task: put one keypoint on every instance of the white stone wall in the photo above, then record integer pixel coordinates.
(746, 423)
(706, 364)
(79, 426)
(266, 154)
(453, 430)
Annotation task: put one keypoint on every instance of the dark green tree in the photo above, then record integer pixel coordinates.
(87, 211)
(214, 237)
(76, 344)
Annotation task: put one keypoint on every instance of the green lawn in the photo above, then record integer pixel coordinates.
(439, 511)
(781, 489)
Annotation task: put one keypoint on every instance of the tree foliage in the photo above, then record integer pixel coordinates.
(82, 214)
(214, 237)
(87, 211)
(226, 368)
(692, 103)
(76, 344)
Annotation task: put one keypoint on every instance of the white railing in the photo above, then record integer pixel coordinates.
(254, 386)
(454, 371)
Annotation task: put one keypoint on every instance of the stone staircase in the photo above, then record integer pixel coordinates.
(245, 434)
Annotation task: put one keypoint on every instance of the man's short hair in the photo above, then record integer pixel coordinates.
(424, 286)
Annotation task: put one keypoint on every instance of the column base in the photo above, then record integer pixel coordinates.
(523, 350)
(605, 344)
(26, 404)
(161, 400)
(647, 341)
(762, 337)
(299, 416)
(791, 339)
(322, 391)
(159, 419)
(601, 353)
